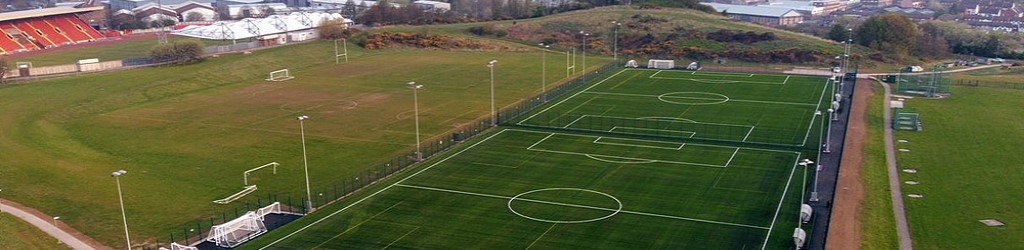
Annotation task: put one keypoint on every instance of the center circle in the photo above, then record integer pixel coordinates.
(520, 197)
(693, 98)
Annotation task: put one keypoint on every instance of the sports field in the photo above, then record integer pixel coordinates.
(734, 107)
(523, 187)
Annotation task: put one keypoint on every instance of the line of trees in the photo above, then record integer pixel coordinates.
(897, 37)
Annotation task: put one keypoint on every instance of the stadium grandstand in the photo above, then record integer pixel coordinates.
(273, 26)
(38, 29)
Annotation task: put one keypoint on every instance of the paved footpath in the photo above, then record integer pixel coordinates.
(902, 228)
(46, 225)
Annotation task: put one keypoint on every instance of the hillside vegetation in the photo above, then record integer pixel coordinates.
(667, 33)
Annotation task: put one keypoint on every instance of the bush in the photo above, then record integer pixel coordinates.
(333, 29)
(180, 52)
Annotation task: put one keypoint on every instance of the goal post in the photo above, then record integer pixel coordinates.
(250, 225)
(661, 64)
(279, 75)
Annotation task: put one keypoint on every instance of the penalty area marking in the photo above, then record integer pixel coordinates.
(604, 158)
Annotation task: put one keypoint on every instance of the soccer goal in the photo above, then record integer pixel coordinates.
(279, 75)
(661, 64)
(176, 246)
(244, 228)
(632, 64)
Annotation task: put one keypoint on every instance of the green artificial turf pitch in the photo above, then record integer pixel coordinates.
(527, 188)
(735, 107)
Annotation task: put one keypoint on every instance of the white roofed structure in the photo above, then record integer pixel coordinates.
(253, 27)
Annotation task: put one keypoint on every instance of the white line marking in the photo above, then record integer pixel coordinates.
(748, 134)
(378, 192)
(583, 206)
(569, 98)
(400, 238)
(598, 141)
(695, 144)
(813, 116)
(781, 199)
(574, 121)
(690, 133)
(541, 140)
(357, 225)
(732, 157)
(541, 235)
(655, 73)
(787, 80)
(699, 98)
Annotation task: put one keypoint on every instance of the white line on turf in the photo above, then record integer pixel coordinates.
(694, 144)
(655, 73)
(700, 98)
(598, 141)
(541, 235)
(400, 238)
(689, 134)
(781, 199)
(569, 98)
(787, 80)
(378, 191)
(813, 116)
(732, 157)
(573, 121)
(357, 225)
(748, 134)
(582, 206)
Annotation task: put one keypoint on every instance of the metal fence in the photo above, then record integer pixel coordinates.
(217, 49)
(989, 84)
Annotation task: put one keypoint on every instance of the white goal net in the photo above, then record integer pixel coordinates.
(279, 75)
(661, 64)
(242, 229)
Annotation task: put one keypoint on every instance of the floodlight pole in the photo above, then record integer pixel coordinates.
(814, 191)
(584, 52)
(615, 41)
(828, 133)
(544, 72)
(117, 174)
(305, 163)
(416, 110)
(494, 112)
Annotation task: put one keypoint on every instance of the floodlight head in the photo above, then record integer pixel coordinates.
(411, 83)
(817, 112)
(118, 173)
(303, 117)
(491, 63)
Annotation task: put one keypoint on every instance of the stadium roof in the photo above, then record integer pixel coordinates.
(766, 11)
(252, 27)
(14, 15)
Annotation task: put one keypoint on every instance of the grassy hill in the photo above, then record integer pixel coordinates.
(683, 27)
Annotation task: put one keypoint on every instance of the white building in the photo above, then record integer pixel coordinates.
(433, 5)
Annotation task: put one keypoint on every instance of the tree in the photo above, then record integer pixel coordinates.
(838, 33)
(890, 32)
(194, 17)
(332, 29)
(180, 52)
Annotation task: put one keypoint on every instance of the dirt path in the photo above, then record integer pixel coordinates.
(62, 232)
(902, 228)
(845, 227)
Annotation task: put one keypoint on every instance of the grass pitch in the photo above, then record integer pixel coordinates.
(18, 234)
(185, 134)
(527, 188)
(968, 163)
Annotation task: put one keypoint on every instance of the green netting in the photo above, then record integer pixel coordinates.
(906, 120)
(930, 84)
